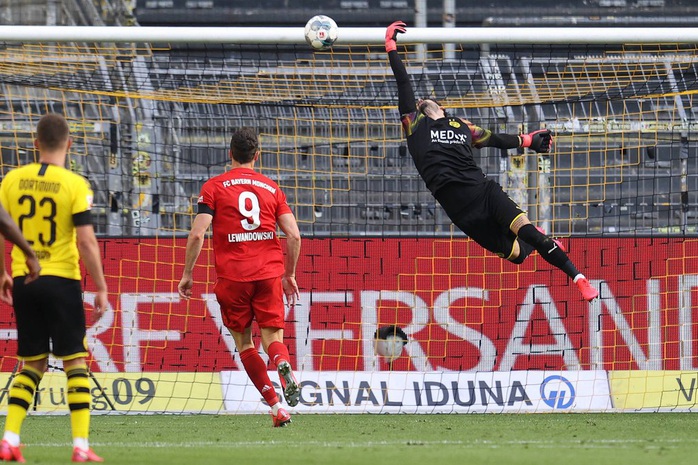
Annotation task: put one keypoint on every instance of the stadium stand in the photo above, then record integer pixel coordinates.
(360, 13)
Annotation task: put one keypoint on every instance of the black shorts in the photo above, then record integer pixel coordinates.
(50, 318)
(483, 212)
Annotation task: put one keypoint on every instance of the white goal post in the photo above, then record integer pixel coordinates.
(350, 35)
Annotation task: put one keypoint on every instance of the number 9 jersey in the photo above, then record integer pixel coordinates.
(245, 206)
(47, 202)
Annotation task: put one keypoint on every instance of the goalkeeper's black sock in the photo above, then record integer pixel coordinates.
(548, 249)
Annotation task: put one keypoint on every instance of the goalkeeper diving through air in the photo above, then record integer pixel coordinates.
(441, 147)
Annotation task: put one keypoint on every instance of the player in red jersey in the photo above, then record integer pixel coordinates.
(245, 208)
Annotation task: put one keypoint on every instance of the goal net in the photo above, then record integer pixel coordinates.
(151, 121)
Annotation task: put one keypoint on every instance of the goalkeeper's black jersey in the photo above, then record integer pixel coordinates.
(442, 150)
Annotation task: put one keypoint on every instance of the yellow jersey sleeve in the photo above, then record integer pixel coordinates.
(3, 196)
(82, 196)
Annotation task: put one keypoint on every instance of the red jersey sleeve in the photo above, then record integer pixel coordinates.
(207, 198)
(282, 204)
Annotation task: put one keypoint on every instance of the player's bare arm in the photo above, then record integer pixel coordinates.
(195, 242)
(89, 252)
(289, 226)
(10, 230)
(5, 278)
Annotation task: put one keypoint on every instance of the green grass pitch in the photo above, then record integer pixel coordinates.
(567, 439)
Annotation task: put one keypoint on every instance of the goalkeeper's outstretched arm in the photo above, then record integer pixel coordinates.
(405, 94)
(540, 141)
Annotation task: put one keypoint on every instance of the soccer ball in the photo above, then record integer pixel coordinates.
(321, 32)
(389, 341)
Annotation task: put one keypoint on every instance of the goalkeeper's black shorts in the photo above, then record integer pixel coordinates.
(484, 212)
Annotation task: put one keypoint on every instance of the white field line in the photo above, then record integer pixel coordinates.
(542, 444)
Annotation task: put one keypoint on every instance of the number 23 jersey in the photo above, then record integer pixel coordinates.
(47, 202)
(245, 206)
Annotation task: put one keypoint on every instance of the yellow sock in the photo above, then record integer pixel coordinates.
(79, 401)
(21, 397)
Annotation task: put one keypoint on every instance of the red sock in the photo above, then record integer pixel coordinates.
(257, 371)
(278, 352)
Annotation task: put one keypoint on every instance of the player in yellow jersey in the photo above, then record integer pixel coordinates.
(52, 206)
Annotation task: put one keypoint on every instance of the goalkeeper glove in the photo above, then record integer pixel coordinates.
(398, 27)
(539, 141)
